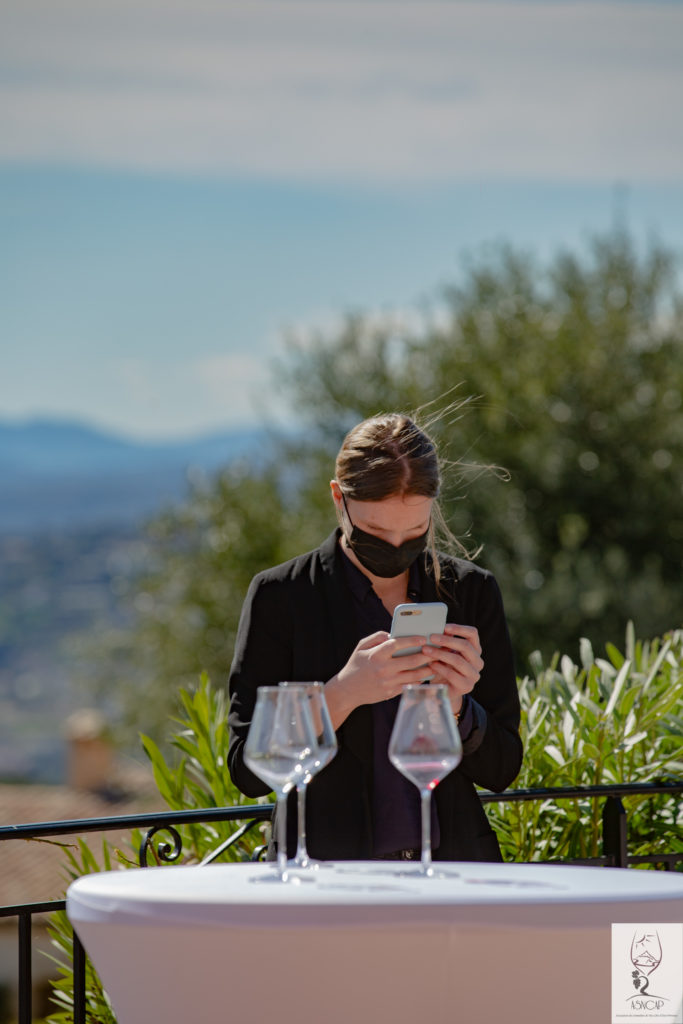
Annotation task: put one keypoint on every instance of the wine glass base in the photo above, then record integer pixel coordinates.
(288, 878)
(399, 869)
(307, 864)
(295, 874)
(434, 871)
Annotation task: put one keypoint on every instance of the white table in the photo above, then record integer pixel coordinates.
(500, 942)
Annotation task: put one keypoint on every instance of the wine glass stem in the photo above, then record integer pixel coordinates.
(282, 834)
(301, 852)
(426, 801)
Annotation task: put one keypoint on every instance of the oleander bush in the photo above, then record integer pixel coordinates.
(604, 721)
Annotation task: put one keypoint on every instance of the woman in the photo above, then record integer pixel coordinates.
(326, 616)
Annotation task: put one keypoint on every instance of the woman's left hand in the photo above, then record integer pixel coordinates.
(455, 659)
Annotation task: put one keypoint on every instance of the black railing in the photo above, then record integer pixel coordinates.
(614, 854)
(614, 819)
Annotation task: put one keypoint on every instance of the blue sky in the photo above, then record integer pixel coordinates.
(181, 184)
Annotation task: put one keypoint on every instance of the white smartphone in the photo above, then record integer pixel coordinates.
(418, 620)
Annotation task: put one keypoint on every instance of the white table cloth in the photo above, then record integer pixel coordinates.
(496, 942)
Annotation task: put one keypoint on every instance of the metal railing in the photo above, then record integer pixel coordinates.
(614, 818)
(614, 854)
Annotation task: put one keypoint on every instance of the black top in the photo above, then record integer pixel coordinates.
(395, 800)
(299, 623)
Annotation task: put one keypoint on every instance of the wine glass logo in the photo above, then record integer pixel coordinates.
(646, 956)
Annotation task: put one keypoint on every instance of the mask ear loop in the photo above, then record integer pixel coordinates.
(347, 535)
(346, 509)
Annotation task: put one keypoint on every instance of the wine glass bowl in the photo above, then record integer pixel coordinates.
(425, 747)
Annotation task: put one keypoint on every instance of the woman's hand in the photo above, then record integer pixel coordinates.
(371, 674)
(455, 659)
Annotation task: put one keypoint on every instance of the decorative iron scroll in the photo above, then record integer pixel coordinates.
(164, 852)
(230, 841)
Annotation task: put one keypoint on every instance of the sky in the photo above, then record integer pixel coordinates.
(184, 184)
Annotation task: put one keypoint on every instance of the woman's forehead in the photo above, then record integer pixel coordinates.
(399, 505)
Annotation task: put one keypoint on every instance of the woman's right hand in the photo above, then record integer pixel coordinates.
(371, 674)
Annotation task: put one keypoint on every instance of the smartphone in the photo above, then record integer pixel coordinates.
(418, 620)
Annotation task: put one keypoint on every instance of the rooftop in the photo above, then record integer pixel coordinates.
(37, 869)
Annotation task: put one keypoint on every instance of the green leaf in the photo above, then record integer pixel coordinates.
(631, 647)
(617, 687)
(586, 653)
(615, 655)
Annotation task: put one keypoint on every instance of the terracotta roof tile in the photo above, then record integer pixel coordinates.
(36, 870)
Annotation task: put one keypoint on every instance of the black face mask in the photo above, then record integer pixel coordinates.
(379, 556)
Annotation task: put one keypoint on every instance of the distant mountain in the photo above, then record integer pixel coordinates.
(57, 474)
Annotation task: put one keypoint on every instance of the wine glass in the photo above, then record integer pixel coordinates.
(327, 748)
(280, 746)
(646, 951)
(425, 746)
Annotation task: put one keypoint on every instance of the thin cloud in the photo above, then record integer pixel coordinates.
(379, 92)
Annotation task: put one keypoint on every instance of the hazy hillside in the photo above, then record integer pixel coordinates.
(57, 475)
(72, 501)
(55, 587)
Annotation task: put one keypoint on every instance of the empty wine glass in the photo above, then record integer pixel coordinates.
(327, 748)
(425, 746)
(280, 745)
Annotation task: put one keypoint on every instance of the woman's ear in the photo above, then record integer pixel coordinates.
(337, 497)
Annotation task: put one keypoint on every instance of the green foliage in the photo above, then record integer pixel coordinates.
(197, 777)
(596, 723)
(98, 1007)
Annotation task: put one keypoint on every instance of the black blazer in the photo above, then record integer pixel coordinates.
(298, 624)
